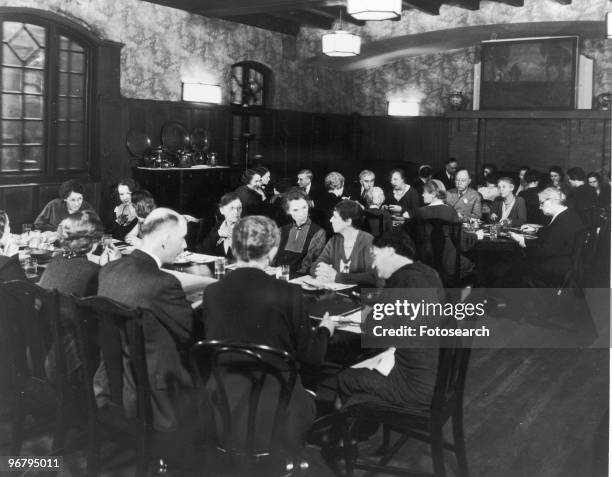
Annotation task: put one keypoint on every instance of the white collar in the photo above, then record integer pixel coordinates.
(555, 216)
(153, 256)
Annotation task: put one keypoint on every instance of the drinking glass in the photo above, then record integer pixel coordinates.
(107, 240)
(494, 231)
(284, 273)
(220, 268)
(30, 267)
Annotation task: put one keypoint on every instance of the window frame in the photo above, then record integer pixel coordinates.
(57, 26)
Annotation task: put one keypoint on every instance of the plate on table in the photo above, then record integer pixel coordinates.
(183, 259)
(41, 255)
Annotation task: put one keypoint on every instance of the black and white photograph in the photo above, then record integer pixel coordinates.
(325, 238)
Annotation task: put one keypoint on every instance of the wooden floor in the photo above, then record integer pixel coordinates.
(531, 413)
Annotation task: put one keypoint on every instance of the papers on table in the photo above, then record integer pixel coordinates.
(196, 257)
(383, 362)
(309, 283)
(191, 283)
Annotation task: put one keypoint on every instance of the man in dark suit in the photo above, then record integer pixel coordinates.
(447, 174)
(582, 197)
(304, 181)
(366, 182)
(138, 281)
(465, 200)
(549, 257)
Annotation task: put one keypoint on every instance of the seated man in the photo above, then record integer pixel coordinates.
(137, 280)
(465, 200)
(366, 182)
(549, 257)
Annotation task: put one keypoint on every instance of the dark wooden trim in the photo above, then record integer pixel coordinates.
(535, 114)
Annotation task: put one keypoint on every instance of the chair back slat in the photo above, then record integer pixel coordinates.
(216, 363)
(30, 320)
(450, 379)
(122, 351)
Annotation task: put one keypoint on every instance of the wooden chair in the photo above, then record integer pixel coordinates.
(31, 331)
(447, 403)
(235, 380)
(119, 335)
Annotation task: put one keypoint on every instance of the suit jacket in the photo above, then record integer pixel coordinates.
(136, 281)
(468, 205)
(77, 276)
(409, 202)
(10, 269)
(532, 205)
(550, 255)
(442, 176)
(252, 202)
(518, 212)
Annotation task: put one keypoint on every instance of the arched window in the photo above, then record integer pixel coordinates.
(45, 98)
(251, 84)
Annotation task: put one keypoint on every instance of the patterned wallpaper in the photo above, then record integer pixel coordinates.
(164, 46)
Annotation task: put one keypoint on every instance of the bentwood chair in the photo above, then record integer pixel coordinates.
(446, 404)
(33, 336)
(244, 396)
(121, 343)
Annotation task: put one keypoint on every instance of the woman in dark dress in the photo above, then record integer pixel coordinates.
(70, 201)
(403, 199)
(248, 305)
(410, 384)
(250, 193)
(508, 208)
(219, 240)
(124, 214)
(10, 269)
(434, 195)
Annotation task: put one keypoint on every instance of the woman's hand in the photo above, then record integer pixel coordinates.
(190, 218)
(133, 240)
(109, 254)
(493, 216)
(325, 272)
(395, 208)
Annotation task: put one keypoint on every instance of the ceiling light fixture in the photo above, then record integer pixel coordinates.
(609, 25)
(374, 9)
(341, 42)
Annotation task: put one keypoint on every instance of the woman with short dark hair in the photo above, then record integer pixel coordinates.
(346, 257)
(70, 201)
(10, 269)
(124, 212)
(219, 239)
(248, 305)
(144, 204)
(250, 193)
(403, 199)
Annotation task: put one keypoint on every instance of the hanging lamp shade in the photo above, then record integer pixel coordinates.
(374, 9)
(609, 25)
(341, 43)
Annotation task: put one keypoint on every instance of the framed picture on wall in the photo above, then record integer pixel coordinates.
(529, 73)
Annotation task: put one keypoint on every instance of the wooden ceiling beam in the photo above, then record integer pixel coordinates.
(512, 3)
(302, 17)
(431, 7)
(467, 4)
(334, 16)
(226, 8)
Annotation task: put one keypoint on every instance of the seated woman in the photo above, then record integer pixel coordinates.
(73, 272)
(410, 384)
(301, 241)
(490, 191)
(219, 239)
(144, 204)
(346, 256)
(125, 213)
(595, 180)
(250, 306)
(508, 208)
(70, 201)
(403, 199)
(377, 220)
(250, 193)
(266, 190)
(324, 205)
(10, 269)
(557, 179)
(434, 195)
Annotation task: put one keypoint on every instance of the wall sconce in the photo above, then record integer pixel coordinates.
(398, 107)
(202, 93)
(609, 25)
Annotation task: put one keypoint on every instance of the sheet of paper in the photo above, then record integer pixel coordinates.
(191, 283)
(383, 362)
(318, 284)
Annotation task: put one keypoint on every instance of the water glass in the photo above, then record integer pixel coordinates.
(284, 273)
(107, 240)
(494, 231)
(220, 268)
(30, 267)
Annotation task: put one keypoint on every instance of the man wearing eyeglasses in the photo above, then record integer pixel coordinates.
(464, 199)
(549, 256)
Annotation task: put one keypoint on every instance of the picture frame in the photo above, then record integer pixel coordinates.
(529, 73)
